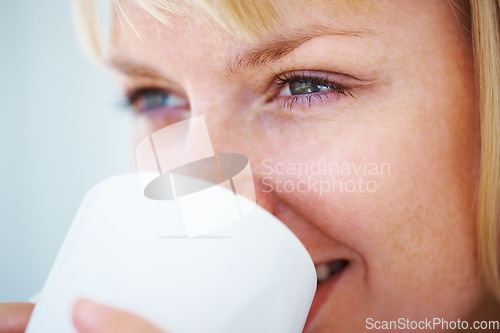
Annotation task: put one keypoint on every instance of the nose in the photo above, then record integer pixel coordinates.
(227, 135)
(233, 127)
(238, 136)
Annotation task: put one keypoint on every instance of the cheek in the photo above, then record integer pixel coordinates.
(141, 129)
(422, 222)
(401, 195)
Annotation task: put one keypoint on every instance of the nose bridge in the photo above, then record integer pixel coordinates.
(225, 116)
(197, 142)
(217, 96)
(231, 134)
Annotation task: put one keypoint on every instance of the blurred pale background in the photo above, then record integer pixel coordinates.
(61, 131)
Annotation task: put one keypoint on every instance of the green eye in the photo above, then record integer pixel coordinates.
(303, 88)
(154, 100)
(146, 100)
(307, 87)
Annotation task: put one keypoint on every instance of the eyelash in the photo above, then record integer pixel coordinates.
(133, 96)
(278, 83)
(282, 79)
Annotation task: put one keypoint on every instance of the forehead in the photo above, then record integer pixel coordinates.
(130, 20)
(241, 16)
(140, 35)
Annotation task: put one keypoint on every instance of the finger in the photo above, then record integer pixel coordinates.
(14, 317)
(91, 317)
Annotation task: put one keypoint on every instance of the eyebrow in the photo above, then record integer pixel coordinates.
(282, 44)
(270, 50)
(134, 69)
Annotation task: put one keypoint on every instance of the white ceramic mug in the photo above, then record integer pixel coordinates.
(133, 253)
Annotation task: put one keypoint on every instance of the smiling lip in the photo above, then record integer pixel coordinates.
(323, 291)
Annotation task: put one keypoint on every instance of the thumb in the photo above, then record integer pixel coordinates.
(92, 317)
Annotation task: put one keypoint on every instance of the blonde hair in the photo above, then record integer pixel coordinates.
(479, 18)
(245, 18)
(485, 28)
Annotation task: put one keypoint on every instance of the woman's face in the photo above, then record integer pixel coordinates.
(360, 129)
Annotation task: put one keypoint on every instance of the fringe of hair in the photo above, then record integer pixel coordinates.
(247, 19)
(89, 28)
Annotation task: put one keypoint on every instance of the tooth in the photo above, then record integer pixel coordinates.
(323, 272)
(337, 265)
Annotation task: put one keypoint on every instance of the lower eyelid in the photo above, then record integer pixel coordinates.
(167, 115)
(309, 100)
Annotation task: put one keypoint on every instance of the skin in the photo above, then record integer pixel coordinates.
(411, 243)
(91, 317)
(14, 317)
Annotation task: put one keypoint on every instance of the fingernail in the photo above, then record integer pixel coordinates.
(90, 314)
